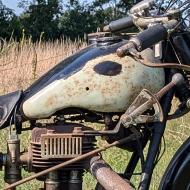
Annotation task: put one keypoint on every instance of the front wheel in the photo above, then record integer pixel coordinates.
(177, 174)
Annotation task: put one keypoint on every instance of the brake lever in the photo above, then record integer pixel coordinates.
(128, 49)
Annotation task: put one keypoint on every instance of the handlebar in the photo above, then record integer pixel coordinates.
(142, 5)
(147, 38)
(141, 17)
(119, 24)
(158, 27)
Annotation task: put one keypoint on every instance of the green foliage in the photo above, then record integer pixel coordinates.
(41, 16)
(9, 22)
(112, 9)
(56, 18)
(77, 20)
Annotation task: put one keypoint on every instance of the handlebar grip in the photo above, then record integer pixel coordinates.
(150, 37)
(153, 35)
(144, 40)
(119, 25)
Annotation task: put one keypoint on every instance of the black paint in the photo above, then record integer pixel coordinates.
(70, 66)
(177, 174)
(108, 68)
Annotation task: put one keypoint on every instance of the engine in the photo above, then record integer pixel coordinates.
(54, 144)
(51, 144)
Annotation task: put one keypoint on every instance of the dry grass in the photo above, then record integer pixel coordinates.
(22, 63)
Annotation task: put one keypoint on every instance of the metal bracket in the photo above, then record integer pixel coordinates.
(136, 113)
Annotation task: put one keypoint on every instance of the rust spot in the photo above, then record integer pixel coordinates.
(76, 82)
(52, 100)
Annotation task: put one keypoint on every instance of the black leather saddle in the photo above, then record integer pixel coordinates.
(8, 103)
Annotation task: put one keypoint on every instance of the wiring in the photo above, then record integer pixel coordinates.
(160, 155)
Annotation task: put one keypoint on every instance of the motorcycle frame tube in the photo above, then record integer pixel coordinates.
(135, 158)
(158, 131)
(131, 165)
(177, 174)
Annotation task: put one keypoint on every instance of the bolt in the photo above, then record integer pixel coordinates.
(77, 130)
(188, 103)
(126, 120)
(50, 131)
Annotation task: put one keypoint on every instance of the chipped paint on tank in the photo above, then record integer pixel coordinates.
(93, 91)
(108, 68)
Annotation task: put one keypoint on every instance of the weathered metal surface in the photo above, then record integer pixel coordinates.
(147, 100)
(55, 144)
(91, 90)
(71, 161)
(61, 146)
(69, 66)
(53, 181)
(12, 163)
(165, 65)
(75, 180)
(144, 101)
(106, 176)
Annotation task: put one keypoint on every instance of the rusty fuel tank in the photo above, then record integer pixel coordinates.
(95, 79)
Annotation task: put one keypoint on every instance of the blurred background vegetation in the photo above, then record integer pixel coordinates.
(53, 19)
(48, 31)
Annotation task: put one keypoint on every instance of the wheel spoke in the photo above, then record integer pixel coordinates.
(183, 6)
(160, 6)
(171, 4)
(185, 3)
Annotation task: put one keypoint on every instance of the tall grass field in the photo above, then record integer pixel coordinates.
(24, 62)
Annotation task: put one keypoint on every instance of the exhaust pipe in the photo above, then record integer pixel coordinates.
(107, 178)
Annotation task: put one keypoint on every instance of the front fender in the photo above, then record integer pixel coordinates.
(177, 174)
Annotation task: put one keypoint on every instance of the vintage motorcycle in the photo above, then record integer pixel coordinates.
(124, 82)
